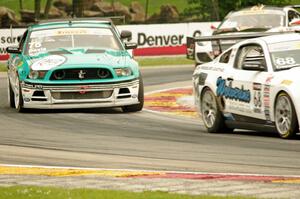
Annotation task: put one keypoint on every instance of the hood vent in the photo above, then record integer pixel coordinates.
(59, 52)
(89, 51)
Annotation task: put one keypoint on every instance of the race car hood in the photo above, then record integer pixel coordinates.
(82, 58)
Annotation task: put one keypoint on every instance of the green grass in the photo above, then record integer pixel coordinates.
(154, 5)
(164, 61)
(33, 192)
(3, 67)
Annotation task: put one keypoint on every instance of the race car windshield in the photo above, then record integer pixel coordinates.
(285, 55)
(251, 21)
(43, 41)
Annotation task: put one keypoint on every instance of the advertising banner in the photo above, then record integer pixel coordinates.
(152, 39)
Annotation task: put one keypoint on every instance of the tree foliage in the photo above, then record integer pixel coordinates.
(208, 10)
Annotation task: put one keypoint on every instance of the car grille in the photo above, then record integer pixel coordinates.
(81, 95)
(81, 74)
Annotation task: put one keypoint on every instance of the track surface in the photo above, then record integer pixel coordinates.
(107, 138)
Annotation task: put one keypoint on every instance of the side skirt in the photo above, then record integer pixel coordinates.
(250, 123)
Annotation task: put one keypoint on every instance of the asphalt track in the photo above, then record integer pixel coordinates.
(108, 138)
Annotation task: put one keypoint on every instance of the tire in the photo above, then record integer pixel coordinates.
(136, 107)
(285, 116)
(18, 98)
(10, 95)
(211, 114)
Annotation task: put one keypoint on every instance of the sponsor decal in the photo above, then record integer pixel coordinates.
(266, 98)
(257, 87)
(212, 68)
(240, 107)
(83, 89)
(286, 82)
(238, 94)
(159, 40)
(257, 101)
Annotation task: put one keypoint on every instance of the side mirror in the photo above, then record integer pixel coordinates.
(125, 34)
(129, 46)
(13, 49)
(19, 38)
(190, 48)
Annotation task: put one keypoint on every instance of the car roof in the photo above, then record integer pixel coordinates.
(74, 22)
(256, 9)
(262, 7)
(279, 38)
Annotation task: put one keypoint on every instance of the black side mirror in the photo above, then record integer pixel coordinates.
(190, 48)
(125, 34)
(129, 46)
(19, 38)
(13, 49)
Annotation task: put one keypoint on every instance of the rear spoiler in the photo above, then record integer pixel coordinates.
(190, 41)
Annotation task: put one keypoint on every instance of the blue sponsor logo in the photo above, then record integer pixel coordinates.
(228, 92)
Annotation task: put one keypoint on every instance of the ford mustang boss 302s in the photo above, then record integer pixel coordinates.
(252, 85)
(74, 63)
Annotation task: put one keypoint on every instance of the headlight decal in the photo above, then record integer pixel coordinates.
(48, 62)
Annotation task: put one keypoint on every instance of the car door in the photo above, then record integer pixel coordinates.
(246, 83)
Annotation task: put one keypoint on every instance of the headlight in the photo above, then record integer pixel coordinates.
(35, 74)
(123, 72)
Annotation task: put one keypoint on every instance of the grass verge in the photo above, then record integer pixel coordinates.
(164, 61)
(3, 67)
(145, 62)
(34, 192)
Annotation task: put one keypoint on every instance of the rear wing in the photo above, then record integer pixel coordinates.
(191, 41)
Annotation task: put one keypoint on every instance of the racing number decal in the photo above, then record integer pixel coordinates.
(35, 45)
(285, 61)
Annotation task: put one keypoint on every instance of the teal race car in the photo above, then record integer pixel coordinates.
(74, 63)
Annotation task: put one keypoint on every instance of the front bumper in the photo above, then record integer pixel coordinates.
(80, 96)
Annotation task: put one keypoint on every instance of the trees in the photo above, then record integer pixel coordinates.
(215, 10)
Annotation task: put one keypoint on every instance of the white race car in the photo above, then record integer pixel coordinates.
(253, 19)
(252, 85)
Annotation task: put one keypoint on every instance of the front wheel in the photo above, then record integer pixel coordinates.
(285, 116)
(211, 114)
(136, 107)
(18, 98)
(10, 94)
